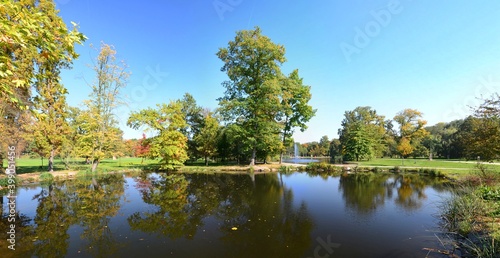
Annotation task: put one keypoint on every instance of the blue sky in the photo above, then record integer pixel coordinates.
(434, 56)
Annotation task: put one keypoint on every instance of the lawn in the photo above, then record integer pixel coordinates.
(424, 163)
(450, 167)
(29, 165)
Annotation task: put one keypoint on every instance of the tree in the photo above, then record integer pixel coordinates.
(31, 32)
(194, 121)
(102, 136)
(50, 126)
(231, 143)
(324, 143)
(253, 92)
(142, 148)
(479, 137)
(362, 134)
(206, 139)
(296, 110)
(34, 44)
(167, 121)
(357, 144)
(411, 130)
(335, 148)
(314, 149)
(405, 147)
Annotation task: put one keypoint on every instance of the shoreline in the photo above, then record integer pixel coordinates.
(34, 177)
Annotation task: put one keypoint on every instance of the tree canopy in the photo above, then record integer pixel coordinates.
(258, 98)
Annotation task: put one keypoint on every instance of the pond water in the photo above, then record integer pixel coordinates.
(227, 215)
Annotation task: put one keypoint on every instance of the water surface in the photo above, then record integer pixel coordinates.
(227, 215)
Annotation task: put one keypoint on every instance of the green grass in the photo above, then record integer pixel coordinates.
(28, 165)
(452, 168)
(424, 163)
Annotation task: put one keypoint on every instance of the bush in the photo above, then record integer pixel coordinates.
(5, 181)
(487, 175)
(489, 193)
(46, 177)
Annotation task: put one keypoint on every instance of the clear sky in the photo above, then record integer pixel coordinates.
(434, 56)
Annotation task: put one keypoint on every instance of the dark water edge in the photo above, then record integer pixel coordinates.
(225, 215)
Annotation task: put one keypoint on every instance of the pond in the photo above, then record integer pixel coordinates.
(227, 215)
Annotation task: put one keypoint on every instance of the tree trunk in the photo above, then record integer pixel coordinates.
(51, 161)
(95, 163)
(281, 157)
(206, 161)
(254, 153)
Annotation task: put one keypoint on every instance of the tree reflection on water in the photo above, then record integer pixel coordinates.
(366, 192)
(261, 212)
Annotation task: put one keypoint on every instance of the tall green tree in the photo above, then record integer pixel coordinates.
(335, 148)
(357, 143)
(231, 143)
(296, 110)
(193, 115)
(362, 134)
(102, 136)
(255, 97)
(167, 121)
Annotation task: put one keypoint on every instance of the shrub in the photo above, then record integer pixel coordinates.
(46, 177)
(489, 193)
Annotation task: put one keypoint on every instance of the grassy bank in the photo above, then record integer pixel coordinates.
(451, 168)
(471, 216)
(34, 170)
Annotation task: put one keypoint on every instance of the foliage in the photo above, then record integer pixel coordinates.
(411, 130)
(99, 135)
(479, 137)
(362, 134)
(206, 138)
(258, 98)
(142, 147)
(31, 34)
(489, 193)
(169, 144)
(193, 114)
(404, 147)
(296, 111)
(46, 177)
(28, 61)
